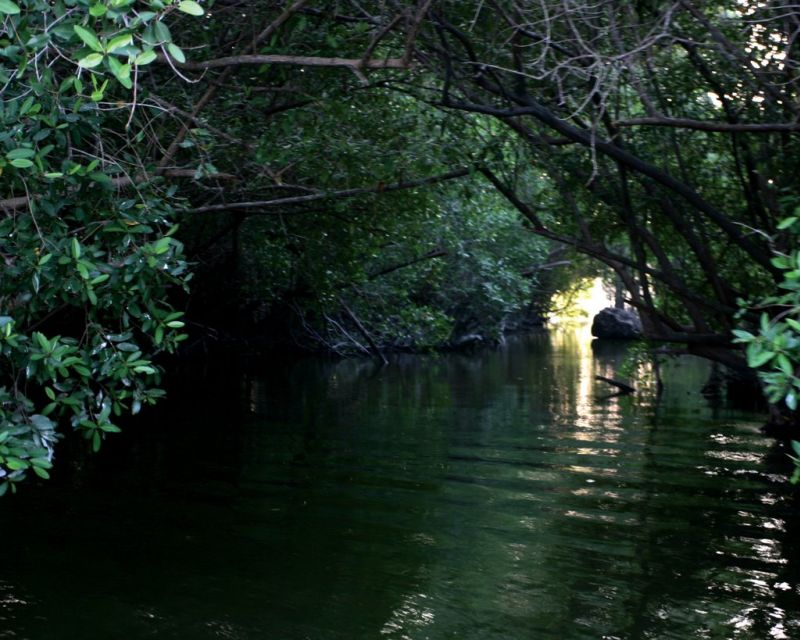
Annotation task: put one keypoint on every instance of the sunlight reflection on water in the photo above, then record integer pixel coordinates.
(493, 496)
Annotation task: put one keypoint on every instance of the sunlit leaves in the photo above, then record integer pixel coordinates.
(190, 7)
(91, 61)
(119, 42)
(145, 57)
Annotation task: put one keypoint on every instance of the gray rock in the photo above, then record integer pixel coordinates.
(468, 340)
(620, 324)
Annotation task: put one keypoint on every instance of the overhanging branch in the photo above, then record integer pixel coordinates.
(19, 202)
(705, 125)
(346, 193)
(299, 61)
(529, 107)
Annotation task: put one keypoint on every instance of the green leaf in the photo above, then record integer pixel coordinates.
(15, 464)
(787, 222)
(41, 473)
(145, 57)
(161, 245)
(96, 441)
(9, 8)
(90, 61)
(781, 262)
(146, 16)
(791, 401)
(119, 42)
(784, 364)
(190, 7)
(21, 163)
(144, 369)
(161, 32)
(176, 52)
(20, 153)
(76, 248)
(88, 37)
(122, 72)
(110, 428)
(760, 358)
(98, 10)
(796, 447)
(44, 343)
(102, 178)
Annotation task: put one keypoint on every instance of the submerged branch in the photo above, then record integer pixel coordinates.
(622, 386)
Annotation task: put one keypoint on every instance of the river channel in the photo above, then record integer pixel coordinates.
(494, 495)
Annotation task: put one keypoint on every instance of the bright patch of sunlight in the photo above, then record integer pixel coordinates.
(580, 303)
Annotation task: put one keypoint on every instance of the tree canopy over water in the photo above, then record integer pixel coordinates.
(373, 173)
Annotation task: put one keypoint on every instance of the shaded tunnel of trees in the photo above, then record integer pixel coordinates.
(360, 175)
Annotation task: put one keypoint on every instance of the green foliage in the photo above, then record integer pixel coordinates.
(773, 346)
(93, 125)
(351, 249)
(796, 473)
(83, 307)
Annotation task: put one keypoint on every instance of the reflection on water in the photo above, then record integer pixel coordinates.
(497, 495)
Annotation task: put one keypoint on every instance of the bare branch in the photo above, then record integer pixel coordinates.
(347, 193)
(707, 125)
(300, 61)
(433, 253)
(277, 23)
(411, 36)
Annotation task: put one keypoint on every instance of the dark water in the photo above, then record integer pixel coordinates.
(481, 497)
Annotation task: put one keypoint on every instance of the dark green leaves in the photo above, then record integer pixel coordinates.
(86, 270)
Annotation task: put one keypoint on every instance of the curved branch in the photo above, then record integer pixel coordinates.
(590, 140)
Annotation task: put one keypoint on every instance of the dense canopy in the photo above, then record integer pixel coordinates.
(363, 175)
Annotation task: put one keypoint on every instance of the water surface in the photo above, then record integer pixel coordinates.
(494, 495)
